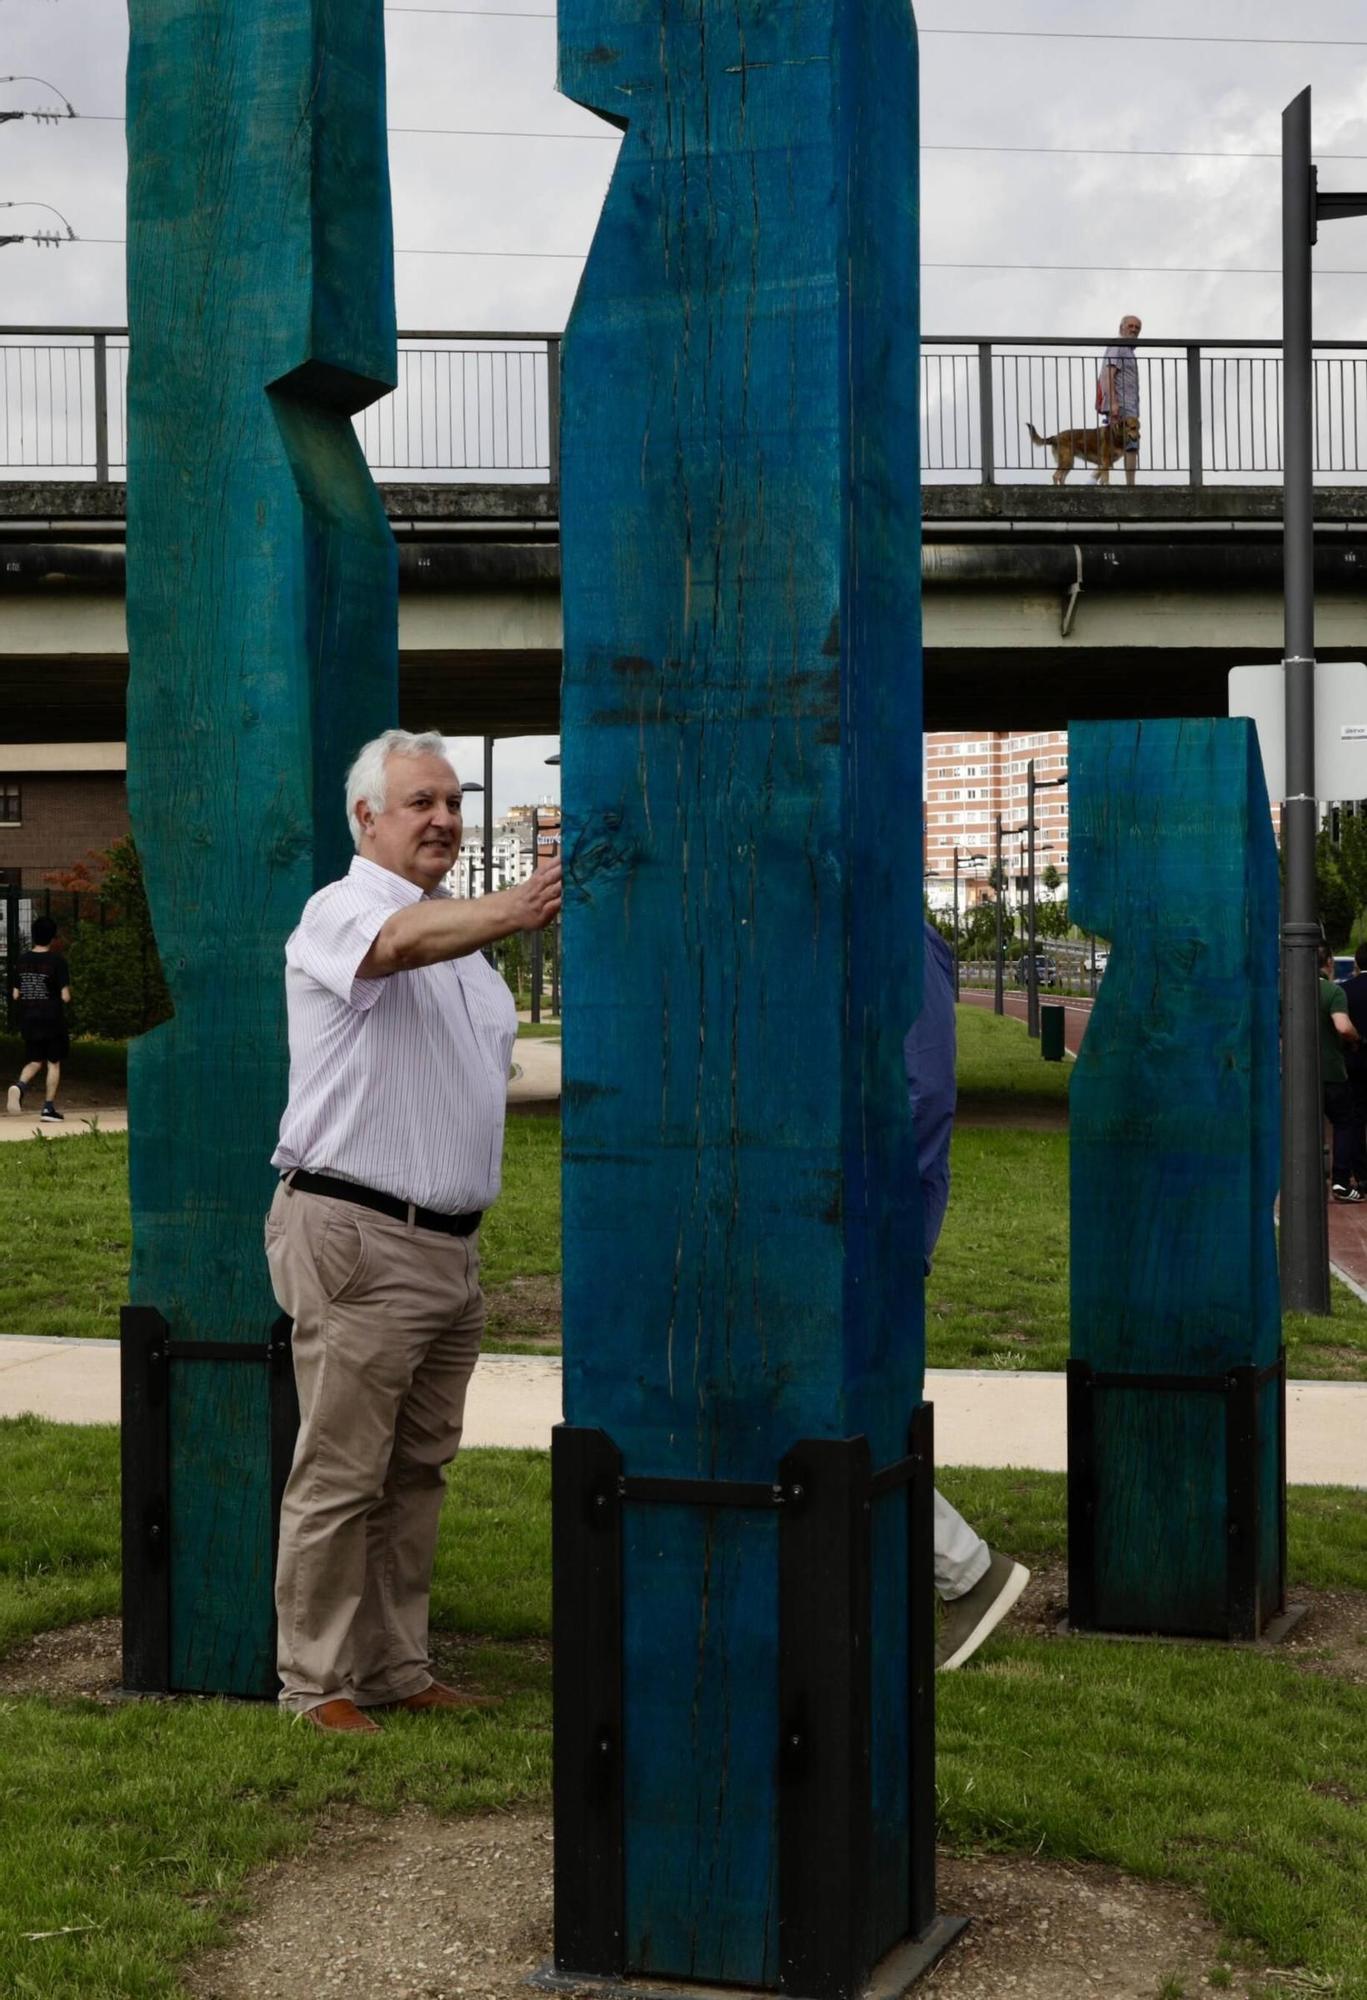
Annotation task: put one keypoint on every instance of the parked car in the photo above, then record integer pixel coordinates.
(1046, 972)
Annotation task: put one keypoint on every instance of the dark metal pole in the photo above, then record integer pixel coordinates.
(488, 815)
(536, 935)
(956, 923)
(1304, 1222)
(1031, 966)
(999, 996)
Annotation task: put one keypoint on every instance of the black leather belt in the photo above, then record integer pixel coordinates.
(385, 1204)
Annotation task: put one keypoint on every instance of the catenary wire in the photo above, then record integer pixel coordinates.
(929, 264)
(927, 146)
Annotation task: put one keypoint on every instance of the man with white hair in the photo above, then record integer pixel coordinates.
(401, 1034)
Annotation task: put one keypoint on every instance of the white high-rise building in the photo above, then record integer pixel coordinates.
(969, 780)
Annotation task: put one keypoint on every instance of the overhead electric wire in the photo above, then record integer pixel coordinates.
(928, 264)
(927, 146)
(999, 34)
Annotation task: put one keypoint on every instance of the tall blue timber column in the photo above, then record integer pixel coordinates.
(744, 1768)
(1176, 1382)
(262, 624)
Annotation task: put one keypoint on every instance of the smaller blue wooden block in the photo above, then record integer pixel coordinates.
(1175, 1140)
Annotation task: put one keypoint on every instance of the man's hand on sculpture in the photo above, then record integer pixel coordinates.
(538, 898)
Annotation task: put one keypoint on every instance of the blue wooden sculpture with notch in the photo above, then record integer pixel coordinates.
(744, 1759)
(262, 625)
(1176, 1473)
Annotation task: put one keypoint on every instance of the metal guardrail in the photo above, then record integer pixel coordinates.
(480, 406)
(486, 406)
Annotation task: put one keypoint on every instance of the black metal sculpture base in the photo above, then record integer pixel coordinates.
(823, 1494)
(890, 1979)
(148, 1356)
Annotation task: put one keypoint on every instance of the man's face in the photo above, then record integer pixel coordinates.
(418, 833)
(1130, 327)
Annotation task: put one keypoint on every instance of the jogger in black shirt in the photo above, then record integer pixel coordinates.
(41, 985)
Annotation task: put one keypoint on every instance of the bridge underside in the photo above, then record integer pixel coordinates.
(1042, 605)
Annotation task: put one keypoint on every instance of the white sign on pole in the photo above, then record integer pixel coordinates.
(1340, 724)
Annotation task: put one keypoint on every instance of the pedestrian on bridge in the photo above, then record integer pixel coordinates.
(1118, 392)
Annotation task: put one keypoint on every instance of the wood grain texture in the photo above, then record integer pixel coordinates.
(262, 619)
(741, 716)
(1174, 1136)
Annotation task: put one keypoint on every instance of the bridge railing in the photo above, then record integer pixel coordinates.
(468, 406)
(486, 407)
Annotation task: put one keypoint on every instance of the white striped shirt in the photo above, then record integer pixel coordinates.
(401, 1083)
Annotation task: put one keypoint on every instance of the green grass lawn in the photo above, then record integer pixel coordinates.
(1000, 1069)
(1228, 1771)
(997, 1297)
(90, 1061)
(67, 1233)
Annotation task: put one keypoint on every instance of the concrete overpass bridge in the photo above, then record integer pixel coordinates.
(1043, 603)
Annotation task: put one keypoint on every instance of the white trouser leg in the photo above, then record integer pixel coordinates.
(961, 1556)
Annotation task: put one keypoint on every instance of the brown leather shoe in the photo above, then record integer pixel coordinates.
(340, 1717)
(438, 1695)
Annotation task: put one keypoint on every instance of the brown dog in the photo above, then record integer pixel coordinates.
(1100, 447)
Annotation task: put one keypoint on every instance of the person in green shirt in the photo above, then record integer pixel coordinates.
(1336, 1029)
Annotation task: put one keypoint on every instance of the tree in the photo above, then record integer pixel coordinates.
(118, 988)
(1338, 903)
(1051, 879)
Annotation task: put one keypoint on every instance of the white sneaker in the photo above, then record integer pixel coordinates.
(15, 1100)
(966, 1621)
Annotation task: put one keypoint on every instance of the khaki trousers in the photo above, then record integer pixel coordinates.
(387, 1325)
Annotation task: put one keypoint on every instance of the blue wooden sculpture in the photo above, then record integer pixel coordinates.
(1176, 1392)
(262, 640)
(744, 1782)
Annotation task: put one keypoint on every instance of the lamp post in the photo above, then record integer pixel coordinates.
(966, 857)
(555, 962)
(1033, 785)
(1304, 1221)
(536, 935)
(999, 995)
(488, 789)
(468, 786)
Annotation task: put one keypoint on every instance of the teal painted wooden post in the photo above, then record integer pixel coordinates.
(741, 717)
(1176, 1458)
(262, 639)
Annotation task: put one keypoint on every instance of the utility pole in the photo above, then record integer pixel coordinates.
(1304, 1221)
(1033, 785)
(999, 996)
(536, 935)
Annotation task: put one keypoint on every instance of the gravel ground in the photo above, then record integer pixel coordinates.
(415, 1908)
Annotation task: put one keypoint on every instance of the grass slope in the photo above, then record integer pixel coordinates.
(135, 1825)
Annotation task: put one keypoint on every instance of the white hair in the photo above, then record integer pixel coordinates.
(366, 780)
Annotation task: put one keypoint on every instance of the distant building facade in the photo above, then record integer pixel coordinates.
(512, 849)
(969, 780)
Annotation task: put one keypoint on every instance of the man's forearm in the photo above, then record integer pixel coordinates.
(428, 933)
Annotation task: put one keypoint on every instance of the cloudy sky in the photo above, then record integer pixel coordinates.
(983, 202)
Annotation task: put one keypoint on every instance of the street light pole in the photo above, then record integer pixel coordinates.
(488, 815)
(999, 995)
(536, 934)
(1031, 967)
(1304, 1221)
(956, 922)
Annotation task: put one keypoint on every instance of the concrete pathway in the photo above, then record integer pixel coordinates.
(534, 1086)
(993, 1418)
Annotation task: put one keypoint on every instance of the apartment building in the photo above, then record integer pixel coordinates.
(969, 780)
(512, 849)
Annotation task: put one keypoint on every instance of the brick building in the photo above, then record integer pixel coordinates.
(969, 780)
(58, 801)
